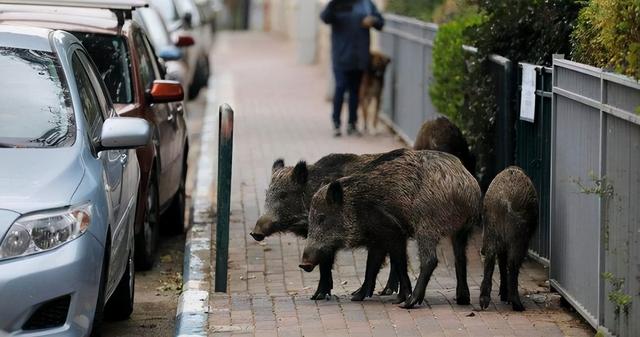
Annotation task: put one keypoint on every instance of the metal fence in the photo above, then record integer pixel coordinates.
(406, 102)
(533, 155)
(595, 185)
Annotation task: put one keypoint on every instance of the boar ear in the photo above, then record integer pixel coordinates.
(300, 173)
(335, 193)
(277, 165)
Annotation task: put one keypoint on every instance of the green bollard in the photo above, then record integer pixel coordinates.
(225, 156)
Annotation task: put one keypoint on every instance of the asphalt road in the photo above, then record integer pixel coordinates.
(157, 290)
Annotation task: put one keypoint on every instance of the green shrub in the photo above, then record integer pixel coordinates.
(419, 9)
(448, 90)
(607, 35)
(526, 30)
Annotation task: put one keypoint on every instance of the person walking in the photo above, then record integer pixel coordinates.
(350, 22)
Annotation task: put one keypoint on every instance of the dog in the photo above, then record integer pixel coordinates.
(371, 87)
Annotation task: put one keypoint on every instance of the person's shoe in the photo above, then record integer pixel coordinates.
(337, 132)
(353, 131)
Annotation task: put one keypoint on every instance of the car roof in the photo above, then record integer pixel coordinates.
(25, 38)
(104, 4)
(87, 16)
(90, 20)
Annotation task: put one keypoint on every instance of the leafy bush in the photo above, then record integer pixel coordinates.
(448, 90)
(607, 35)
(419, 9)
(527, 30)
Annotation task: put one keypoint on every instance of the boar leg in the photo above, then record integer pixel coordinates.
(487, 280)
(392, 282)
(514, 271)
(375, 258)
(459, 241)
(326, 280)
(504, 288)
(428, 263)
(398, 258)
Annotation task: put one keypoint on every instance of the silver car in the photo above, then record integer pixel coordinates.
(68, 189)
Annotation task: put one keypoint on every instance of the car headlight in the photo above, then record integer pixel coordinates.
(38, 232)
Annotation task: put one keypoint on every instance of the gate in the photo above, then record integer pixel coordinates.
(533, 155)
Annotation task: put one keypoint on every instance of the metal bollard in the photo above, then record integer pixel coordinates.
(225, 156)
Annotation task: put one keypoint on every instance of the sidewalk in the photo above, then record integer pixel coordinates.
(281, 112)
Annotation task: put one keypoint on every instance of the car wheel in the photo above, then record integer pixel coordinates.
(147, 239)
(201, 78)
(120, 305)
(174, 215)
(98, 316)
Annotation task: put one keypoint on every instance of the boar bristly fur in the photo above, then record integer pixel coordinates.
(289, 196)
(426, 195)
(510, 216)
(442, 135)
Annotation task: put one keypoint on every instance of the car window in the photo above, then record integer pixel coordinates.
(110, 54)
(106, 106)
(36, 109)
(155, 27)
(147, 64)
(88, 99)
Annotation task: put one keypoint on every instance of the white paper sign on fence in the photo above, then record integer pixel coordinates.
(528, 93)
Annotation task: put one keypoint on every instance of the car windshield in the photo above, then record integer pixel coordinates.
(109, 52)
(36, 108)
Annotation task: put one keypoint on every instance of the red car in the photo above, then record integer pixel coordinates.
(131, 71)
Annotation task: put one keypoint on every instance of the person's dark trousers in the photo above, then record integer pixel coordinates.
(346, 81)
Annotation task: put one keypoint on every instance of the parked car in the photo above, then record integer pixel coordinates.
(68, 189)
(185, 15)
(169, 49)
(132, 74)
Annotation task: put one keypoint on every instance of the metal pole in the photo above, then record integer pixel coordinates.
(225, 156)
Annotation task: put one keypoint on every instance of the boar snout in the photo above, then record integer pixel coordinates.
(309, 260)
(263, 228)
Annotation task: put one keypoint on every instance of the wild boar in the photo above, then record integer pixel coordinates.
(426, 195)
(442, 135)
(289, 196)
(510, 216)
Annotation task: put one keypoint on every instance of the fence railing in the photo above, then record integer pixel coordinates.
(406, 104)
(595, 188)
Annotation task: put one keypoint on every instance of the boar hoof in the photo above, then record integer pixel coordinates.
(359, 295)
(463, 300)
(411, 302)
(357, 291)
(504, 297)
(321, 295)
(517, 306)
(484, 302)
(400, 299)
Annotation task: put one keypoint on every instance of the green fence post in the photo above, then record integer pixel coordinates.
(225, 156)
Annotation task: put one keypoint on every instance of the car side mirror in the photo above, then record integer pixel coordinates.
(166, 91)
(170, 53)
(120, 133)
(184, 40)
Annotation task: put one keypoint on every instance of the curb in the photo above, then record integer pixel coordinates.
(192, 316)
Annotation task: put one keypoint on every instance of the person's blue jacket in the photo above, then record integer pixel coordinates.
(349, 39)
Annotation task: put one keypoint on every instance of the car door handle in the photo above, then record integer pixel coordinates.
(124, 158)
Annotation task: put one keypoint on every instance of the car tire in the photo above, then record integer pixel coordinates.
(147, 239)
(98, 316)
(120, 305)
(200, 79)
(174, 215)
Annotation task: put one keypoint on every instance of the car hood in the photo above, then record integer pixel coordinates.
(38, 179)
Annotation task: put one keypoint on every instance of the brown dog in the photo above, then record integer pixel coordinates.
(371, 87)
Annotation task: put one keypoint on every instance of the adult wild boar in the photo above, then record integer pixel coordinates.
(510, 215)
(426, 195)
(288, 199)
(442, 135)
